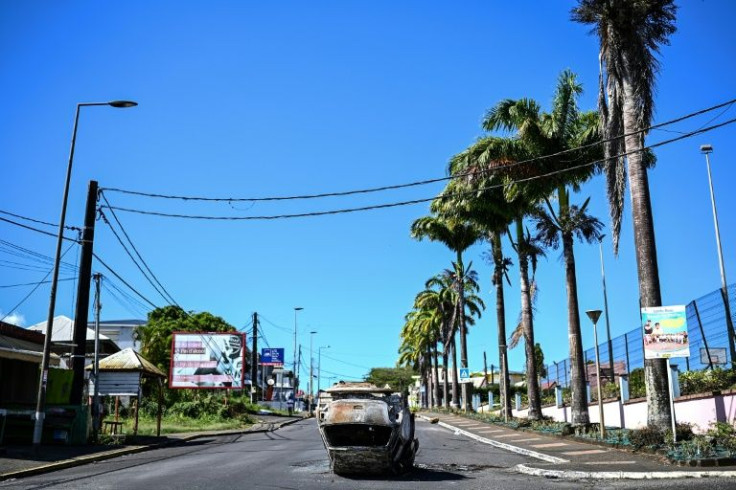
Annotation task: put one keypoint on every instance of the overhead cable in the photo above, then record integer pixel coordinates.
(420, 182)
(416, 201)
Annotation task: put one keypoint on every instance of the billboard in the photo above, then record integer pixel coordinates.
(207, 360)
(665, 332)
(272, 357)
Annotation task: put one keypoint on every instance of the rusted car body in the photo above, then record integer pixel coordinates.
(367, 429)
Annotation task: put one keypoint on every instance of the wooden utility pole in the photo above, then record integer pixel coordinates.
(485, 369)
(254, 361)
(82, 307)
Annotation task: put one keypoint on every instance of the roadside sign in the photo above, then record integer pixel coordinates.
(464, 375)
(665, 332)
(272, 356)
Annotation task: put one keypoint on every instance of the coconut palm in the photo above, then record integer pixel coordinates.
(458, 236)
(631, 33)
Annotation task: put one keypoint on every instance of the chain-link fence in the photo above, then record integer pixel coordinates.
(708, 333)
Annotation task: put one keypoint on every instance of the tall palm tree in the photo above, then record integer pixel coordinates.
(488, 209)
(458, 236)
(631, 33)
(557, 136)
(561, 228)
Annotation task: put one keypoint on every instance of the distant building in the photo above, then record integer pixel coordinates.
(122, 332)
(62, 340)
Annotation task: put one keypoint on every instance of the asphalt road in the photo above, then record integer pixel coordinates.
(294, 458)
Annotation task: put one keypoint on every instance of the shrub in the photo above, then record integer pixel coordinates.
(637, 387)
(646, 437)
(692, 382)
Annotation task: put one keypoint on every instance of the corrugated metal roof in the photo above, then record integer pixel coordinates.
(129, 360)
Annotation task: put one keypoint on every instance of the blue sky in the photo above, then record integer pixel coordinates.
(251, 99)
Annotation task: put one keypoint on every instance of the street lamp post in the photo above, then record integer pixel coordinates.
(319, 365)
(707, 150)
(594, 315)
(41, 398)
(311, 369)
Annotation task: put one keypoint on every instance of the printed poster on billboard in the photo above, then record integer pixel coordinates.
(207, 360)
(665, 332)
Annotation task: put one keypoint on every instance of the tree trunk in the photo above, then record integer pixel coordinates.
(430, 381)
(445, 377)
(580, 415)
(659, 414)
(463, 330)
(454, 403)
(503, 382)
(527, 323)
(436, 390)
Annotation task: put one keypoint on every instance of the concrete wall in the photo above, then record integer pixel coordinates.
(699, 410)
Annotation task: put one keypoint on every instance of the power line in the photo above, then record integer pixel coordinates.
(38, 221)
(34, 289)
(420, 182)
(35, 283)
(170, 298)
(37, 230)
(424, 200)
(127, 251)
(124, 281)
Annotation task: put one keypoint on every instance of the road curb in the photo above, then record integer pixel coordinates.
(590, 475)
(501, 445)
(114, 453)
(621, 475)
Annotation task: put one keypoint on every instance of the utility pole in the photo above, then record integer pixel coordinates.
(485, 369)
(254, 361)
(96, 396)
(296, 373)
(82, 307)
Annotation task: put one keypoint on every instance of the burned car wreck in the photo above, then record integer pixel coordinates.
(367, 429)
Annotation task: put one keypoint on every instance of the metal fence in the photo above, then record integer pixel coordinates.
(707, 333)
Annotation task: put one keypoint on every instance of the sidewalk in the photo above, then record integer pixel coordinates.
(17, 461)
(558, 457)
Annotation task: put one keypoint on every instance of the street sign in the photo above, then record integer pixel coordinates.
(272, 356)
(464, 375)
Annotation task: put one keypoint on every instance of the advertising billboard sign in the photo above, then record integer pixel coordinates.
(272, 357)
(207, 360)
(665, 332)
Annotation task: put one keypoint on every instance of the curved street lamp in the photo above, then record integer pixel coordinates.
(41, 398)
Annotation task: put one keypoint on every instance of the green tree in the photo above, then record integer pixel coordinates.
(630, 33)
(458, 236)
(473, 198)
(398, 378)
(156, 335)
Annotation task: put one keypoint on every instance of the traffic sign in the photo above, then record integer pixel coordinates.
(464, 374)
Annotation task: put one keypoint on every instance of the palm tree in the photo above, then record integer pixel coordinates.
(631, 33)
(458, 236)
(554, 228)
(465, 198)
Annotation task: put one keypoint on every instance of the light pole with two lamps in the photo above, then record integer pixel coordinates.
(41, 398)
